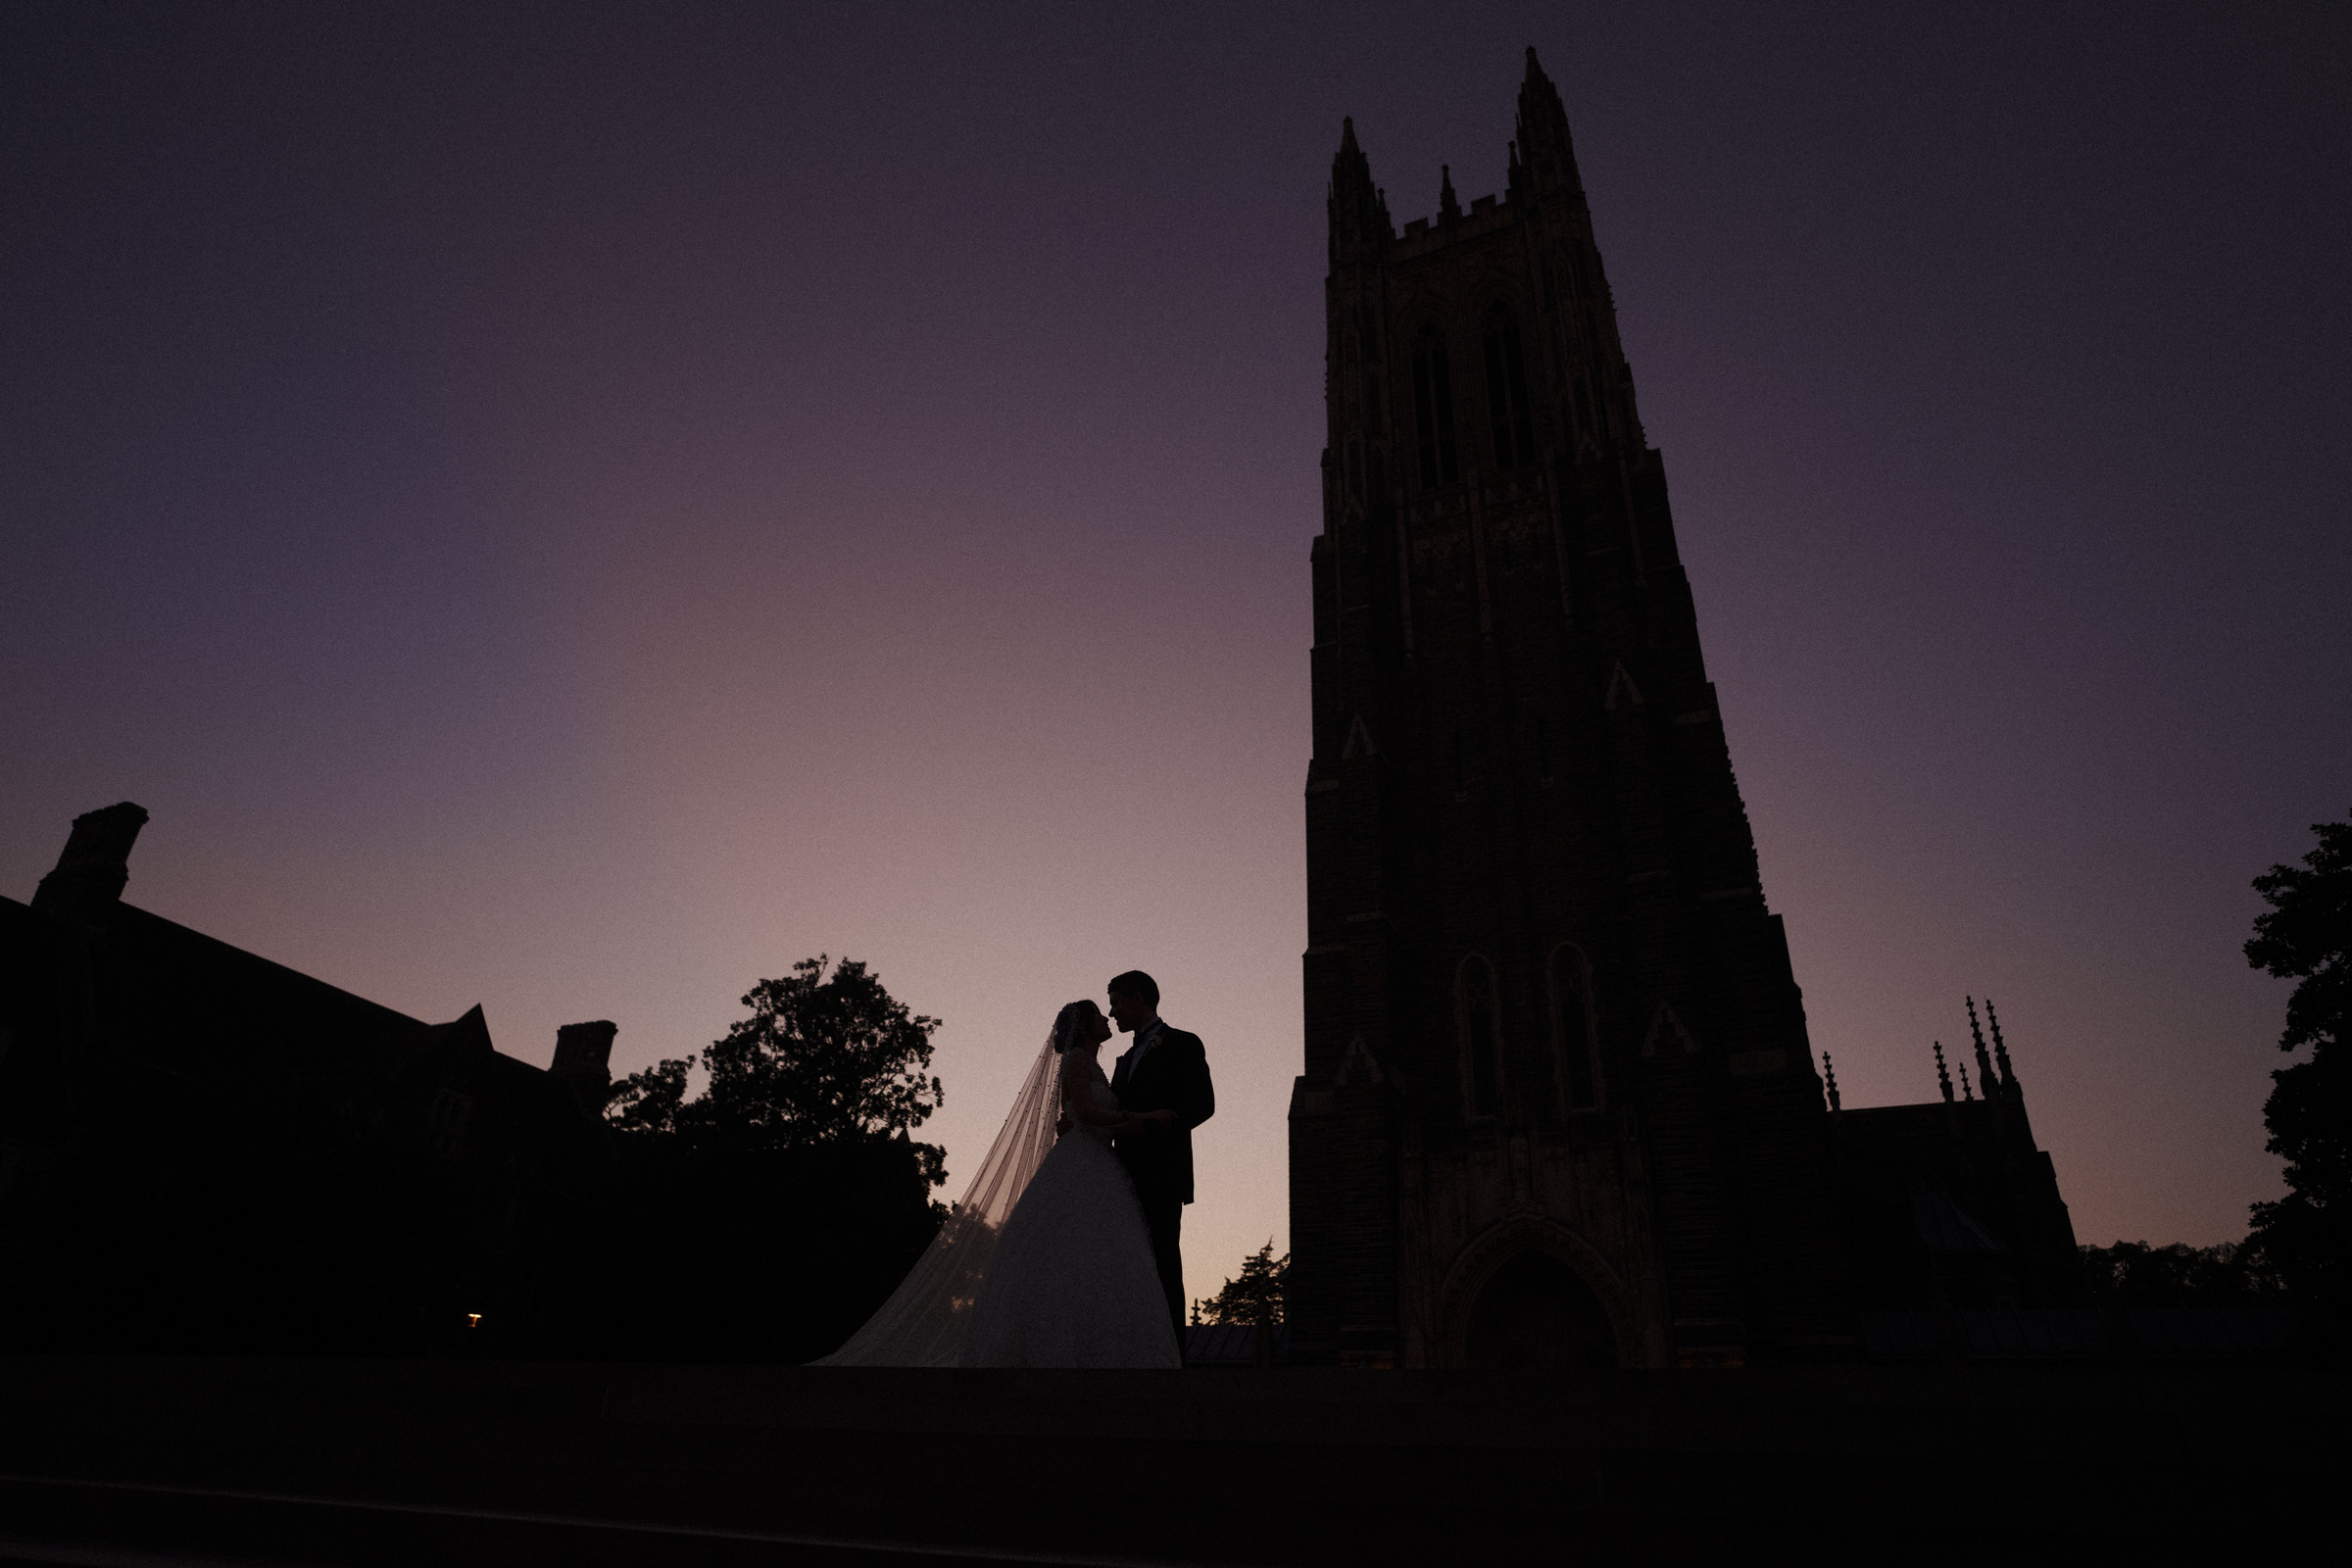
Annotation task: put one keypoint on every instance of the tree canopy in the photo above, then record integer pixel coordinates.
(2135, 1274)
(771, 1212)
(822, 1058)
(2307, 937)
(1255, 1296)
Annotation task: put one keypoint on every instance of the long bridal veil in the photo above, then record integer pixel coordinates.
(923, 1322)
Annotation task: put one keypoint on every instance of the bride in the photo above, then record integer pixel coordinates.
(1047, 1261)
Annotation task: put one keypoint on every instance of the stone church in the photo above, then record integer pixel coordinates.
(1558, 1105)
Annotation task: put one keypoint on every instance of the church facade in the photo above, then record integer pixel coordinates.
(1558, 1105)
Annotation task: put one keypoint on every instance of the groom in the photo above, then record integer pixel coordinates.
(1163, 1077)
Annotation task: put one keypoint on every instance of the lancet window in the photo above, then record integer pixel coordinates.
(1575, 1042)
(1433, 411)
(1478, 1017)
(1513, 425)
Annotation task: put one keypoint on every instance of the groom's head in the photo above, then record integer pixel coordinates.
(1134, 999)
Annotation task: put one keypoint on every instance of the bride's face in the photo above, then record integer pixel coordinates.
(1097, 1030)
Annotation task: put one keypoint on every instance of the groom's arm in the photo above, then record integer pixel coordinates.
(1193, 1098)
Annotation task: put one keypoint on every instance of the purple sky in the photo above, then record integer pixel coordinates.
(573, 508)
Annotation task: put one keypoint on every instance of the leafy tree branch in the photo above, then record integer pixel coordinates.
(2307, 937)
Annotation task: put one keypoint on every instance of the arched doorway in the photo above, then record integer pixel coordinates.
(1535, 1312)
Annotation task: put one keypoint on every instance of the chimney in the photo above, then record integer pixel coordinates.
(584, 1061)
(96, 866)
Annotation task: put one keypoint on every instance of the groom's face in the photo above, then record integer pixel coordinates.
(1129, 1009)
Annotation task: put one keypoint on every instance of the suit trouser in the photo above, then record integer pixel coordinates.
(1165, 1218)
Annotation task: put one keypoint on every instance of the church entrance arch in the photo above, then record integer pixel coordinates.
(1535, 1312)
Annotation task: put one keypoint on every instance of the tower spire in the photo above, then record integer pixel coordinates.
(1829, 1078)
(1983, 1061)
(1449, 208)
(2000, 1051)
(1942, 1076)
(1966, 1093)
(1543, 144)
(1360, 215)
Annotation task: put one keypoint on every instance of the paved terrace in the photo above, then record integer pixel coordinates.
(133, 1461)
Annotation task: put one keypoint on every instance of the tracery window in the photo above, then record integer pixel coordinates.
(1575, 1042)
(451, 1114)
(1513, 425)
(1433, 411)
(1478, 1020)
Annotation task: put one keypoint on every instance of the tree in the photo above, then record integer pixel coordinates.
(770, 1213)
(821, 1058)
(648, 1102)
(2307, 937)
(1254, 1297)
(2135, 1274)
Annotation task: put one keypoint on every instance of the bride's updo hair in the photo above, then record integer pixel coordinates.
(1067, 1020)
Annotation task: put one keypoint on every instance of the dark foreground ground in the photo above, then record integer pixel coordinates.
(130, 1461)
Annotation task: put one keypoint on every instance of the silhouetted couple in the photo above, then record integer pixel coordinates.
(1063, 1251)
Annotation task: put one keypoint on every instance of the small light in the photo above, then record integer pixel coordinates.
(474, 1320)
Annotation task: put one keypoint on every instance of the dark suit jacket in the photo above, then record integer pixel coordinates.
(1173, 1077)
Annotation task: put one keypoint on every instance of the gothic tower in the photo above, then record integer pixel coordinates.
(1558, 1105)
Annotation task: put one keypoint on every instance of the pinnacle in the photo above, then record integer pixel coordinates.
(1535, 71)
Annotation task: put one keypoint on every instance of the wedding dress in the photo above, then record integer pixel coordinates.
(1046, 1261)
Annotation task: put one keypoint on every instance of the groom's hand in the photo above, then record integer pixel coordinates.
(1160, 1118)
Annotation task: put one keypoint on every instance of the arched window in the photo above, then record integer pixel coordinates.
(1478, 1021)
(1575, 1043)
(1506, 391)
(1433, 411)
